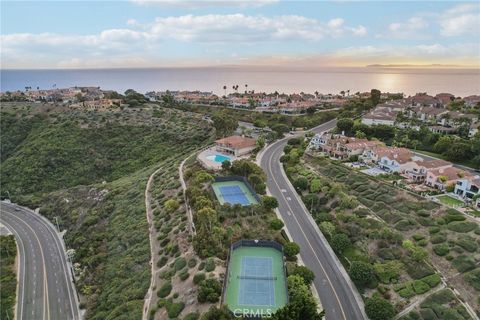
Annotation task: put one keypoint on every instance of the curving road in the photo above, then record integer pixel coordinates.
(337, 294)
(45, 290)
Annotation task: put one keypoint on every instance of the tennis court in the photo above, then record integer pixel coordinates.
(256, 280)
(233, 192)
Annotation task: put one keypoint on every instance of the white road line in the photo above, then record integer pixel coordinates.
(310, 245)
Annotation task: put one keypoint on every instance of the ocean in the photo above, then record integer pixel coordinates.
(460, 82)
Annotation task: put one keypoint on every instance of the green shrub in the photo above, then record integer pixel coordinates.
(164, 290)
(467, 243)
(180, 263)
(473, 278)
(199, 277)
(162, 261)
(201, 266)
(192, 316)
(428, 314)
(291, 250)
(418, 269)
(174, 309)
(184, 275)
(420, 287)
(377, 308)
(462, 226)
(210, 265)
(192, 262)
(406, 292)
(441, 249)
(432, 280)
(463, 263)
(209, 290)
(276, 224)
(438, 238)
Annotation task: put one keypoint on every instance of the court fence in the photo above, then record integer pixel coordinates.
(241, 179)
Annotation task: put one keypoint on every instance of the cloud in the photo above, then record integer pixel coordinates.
(408, 29)
(195, 4)
(461, 20)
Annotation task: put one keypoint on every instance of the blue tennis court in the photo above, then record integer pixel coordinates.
(233, 192)
(257, 287)
(234, 195)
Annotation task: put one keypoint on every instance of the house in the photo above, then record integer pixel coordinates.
(236, 145)
(472, 101)
(445, 98)
(418, 171)
(473, 130)
(394, 159)
(423, 99)
(342, 147)
(469, 189)
(427, 114)
(443, 177)
(379, 116)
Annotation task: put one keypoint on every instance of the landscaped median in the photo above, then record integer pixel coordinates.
(395, 246)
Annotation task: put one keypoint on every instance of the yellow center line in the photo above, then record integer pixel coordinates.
(306, 238)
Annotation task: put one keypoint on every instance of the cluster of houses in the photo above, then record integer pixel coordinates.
(435, 173)
(91, 98)
(258, 101)
(424, 109)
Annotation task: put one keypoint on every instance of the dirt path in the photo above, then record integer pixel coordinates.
(154, 248)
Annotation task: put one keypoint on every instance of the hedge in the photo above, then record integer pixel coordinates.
(432, 280)
(420, 287)
(462, 226)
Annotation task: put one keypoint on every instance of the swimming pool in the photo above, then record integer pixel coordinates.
(218, 158)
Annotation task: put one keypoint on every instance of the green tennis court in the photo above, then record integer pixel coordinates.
(256, 280)
(233, 192)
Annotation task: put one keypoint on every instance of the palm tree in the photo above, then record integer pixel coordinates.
(348, 92)
(246, 86)
(225, 90)
(342, 93)
(316, 94)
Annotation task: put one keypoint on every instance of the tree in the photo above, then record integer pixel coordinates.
(171, 205)
(291, 249)
(301, 303)
(261, 142)
(301, 184)
(315, 185)
(224, 124)
(209, 290)
(310, 110)
(327, 228)
(269, 203)
(280, 128)
(383, 132)
(340, 242)
(345, 125)
(307, 275)
(226, 165)
(276, 224)
(206, 219)
(360, 134)
(225, 90)
(378, 308)
(361, 272)
(375, 96)
(215, 313)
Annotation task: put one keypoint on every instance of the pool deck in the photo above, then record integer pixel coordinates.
(210, 164)
(233, 298)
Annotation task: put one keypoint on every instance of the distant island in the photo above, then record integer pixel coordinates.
(435, 65)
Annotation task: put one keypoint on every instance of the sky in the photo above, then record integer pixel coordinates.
(176, 33)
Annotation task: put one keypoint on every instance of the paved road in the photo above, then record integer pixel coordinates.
(337, 294)
(45, 290)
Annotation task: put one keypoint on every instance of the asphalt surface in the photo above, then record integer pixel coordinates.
(45, 289)
(337, 294)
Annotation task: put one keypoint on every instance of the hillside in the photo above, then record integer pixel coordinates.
(90, 169)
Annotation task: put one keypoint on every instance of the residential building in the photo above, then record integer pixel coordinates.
(342, 147)
(394, 159)
(445, 98)
(472, 101)
(418, 171)
(469, 189)
(443, 177)
(236, 145)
